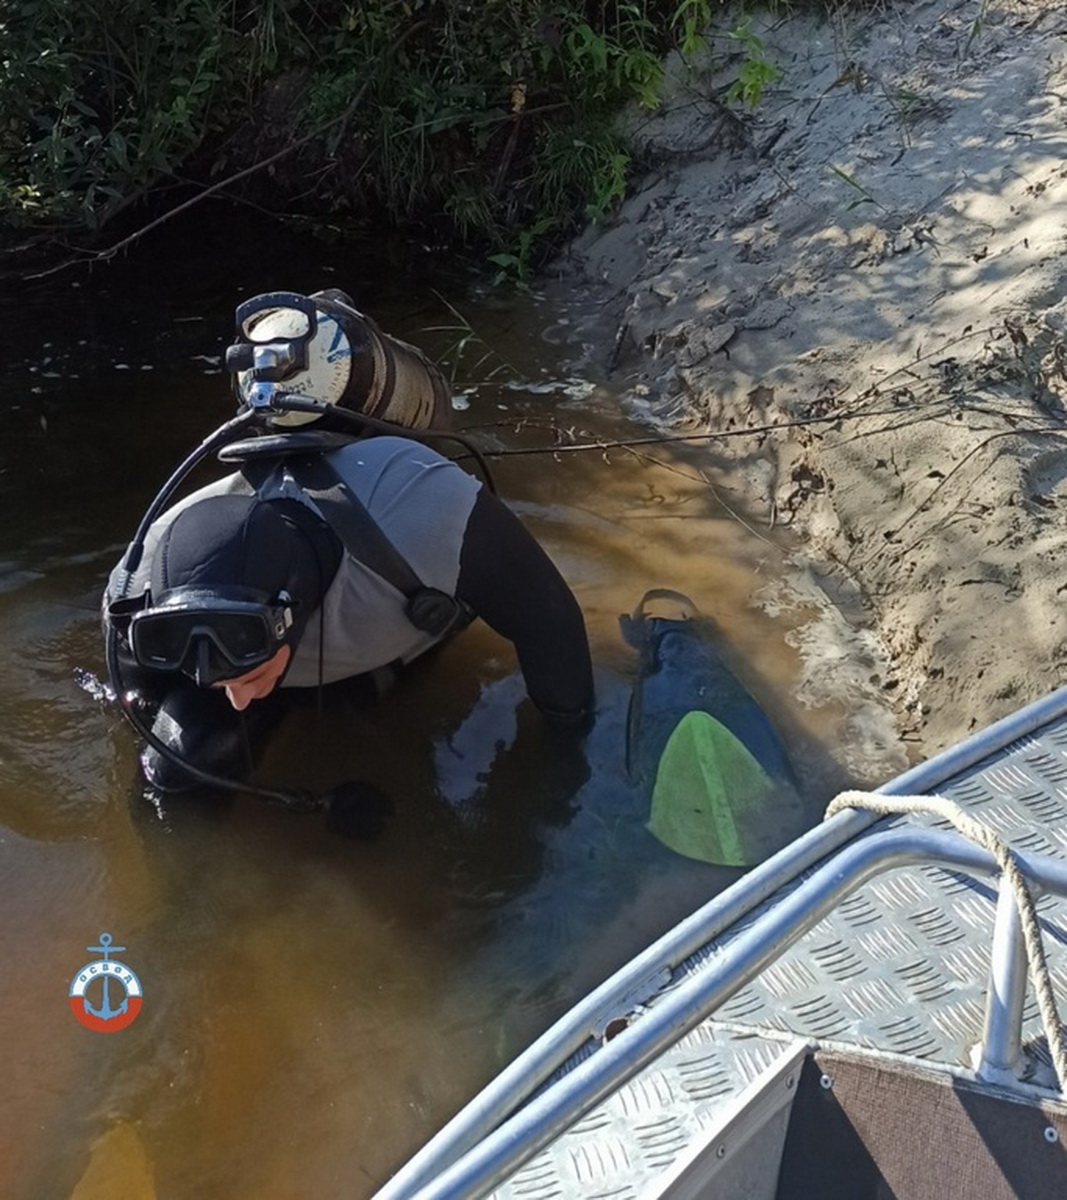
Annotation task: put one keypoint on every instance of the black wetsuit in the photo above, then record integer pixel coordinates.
(459, 538)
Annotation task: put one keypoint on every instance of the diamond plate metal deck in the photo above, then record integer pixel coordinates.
(900, 966)
(623, 1145)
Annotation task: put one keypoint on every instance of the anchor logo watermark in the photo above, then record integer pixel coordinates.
(104, 1018)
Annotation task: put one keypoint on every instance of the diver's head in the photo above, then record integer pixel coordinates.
(234, 580)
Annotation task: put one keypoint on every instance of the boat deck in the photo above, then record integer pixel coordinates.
(898, 967)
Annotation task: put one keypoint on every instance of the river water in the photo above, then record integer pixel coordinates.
(314, 1008)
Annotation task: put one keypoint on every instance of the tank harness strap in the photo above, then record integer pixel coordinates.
(428, 609)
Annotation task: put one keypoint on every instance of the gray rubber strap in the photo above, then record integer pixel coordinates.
(346, 514)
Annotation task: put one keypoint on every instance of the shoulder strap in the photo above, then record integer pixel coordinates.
(428, 609)
(348, 517)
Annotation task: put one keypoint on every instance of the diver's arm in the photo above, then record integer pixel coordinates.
(512, 584)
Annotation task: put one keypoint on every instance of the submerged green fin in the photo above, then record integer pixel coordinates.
(711, 798)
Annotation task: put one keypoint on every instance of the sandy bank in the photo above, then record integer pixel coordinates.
(865, 275)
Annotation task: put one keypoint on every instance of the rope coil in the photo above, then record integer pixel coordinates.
(982, 835)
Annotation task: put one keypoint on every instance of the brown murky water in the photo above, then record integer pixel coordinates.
(314, 1008)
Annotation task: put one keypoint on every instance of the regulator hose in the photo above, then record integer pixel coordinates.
(293, 800)
(297, 404)
(352, 808)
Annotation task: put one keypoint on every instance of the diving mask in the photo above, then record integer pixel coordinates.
(212, 635)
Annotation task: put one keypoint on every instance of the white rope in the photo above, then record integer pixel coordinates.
(985, 837)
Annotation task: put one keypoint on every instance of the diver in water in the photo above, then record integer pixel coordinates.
(321, 561)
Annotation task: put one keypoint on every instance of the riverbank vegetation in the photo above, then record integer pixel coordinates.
(492, 124)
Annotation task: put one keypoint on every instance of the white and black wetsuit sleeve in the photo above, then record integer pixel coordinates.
(510, 582)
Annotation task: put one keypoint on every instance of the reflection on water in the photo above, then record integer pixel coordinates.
(315, 1007)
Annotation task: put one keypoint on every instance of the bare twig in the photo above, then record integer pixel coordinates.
(701, 477)
(976, 449)
(340, 121)
(663, 439)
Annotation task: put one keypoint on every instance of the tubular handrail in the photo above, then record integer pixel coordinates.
(520, 1079)
(998, 1053)
(693, 999)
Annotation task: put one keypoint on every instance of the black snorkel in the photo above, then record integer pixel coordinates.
(353, 808)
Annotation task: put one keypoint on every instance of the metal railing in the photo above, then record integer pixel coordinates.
(480, 1145)
(736, 964)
